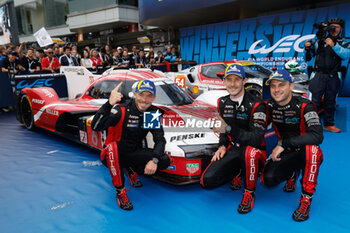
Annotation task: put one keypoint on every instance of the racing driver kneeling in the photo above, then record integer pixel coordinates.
(241, 150)
(126, 132)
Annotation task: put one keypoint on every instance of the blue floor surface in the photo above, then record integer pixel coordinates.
(49, 184)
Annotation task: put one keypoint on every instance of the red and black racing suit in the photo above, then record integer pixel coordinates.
(124, 140)
(245, 149)
(298, 125)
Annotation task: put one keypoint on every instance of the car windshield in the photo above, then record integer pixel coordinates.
(256, 71)
(167, 93)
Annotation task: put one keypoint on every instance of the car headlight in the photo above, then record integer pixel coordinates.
(192, 151)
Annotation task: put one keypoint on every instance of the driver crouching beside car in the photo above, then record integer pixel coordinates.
(241, 153)
(126, 131)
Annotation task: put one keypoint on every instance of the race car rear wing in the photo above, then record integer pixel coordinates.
(78, 79)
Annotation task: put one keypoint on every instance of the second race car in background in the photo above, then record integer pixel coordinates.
(204, 77)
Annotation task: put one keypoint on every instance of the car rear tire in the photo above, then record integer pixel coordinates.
(26, 111)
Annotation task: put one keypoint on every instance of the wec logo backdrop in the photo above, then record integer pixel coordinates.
(268, 40)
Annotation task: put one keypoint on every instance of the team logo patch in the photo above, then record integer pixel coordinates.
(259, 116)
(192, 167)
(114, 111)
(151, 120)
(311, 115)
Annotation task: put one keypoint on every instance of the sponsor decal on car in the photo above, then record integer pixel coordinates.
(38, 101)
(88, 122)
(36, 83)
(187, 136)
(180, 80)
(192, 167)
(83, 136)
(172, 167)
(52, 112)
(48, 93)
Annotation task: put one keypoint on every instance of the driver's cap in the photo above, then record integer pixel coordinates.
(146, 85)
(281, 75)
(235, 69)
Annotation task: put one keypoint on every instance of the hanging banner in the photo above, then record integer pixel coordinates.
(268, 40)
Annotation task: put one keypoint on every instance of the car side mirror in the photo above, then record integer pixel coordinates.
(220, 75)
(190, 78)
(78, 95)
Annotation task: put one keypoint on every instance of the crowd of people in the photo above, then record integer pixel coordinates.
(17, 60)
(52, 58)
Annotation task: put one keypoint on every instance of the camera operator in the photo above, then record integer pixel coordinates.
(330, 51)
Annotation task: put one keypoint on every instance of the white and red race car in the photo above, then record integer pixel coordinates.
(205, 77)
(187, 122)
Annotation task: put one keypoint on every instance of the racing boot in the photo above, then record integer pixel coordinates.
(123, 200)
(291, 183)
(302, 213)
(236, 183)
(247, 202)
(332, 129)
(132, 176)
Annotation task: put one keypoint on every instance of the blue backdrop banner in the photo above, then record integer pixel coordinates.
(268, 40)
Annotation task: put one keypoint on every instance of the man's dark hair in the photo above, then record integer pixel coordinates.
(67, 47)
(339, 21)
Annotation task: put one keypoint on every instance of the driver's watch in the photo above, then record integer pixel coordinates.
(155, 160)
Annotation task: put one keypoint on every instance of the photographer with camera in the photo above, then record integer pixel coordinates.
(330, 51)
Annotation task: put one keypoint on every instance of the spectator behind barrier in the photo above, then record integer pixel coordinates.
(141, 60)
(176, 54)
(134, 54)
(126, 60)
(12, 64)
(29, 62)
(105, 59)
(76, 54)
(86, 61)
(67, 59)
(108, 50)
(3, 54)
(96, 60)
(88, 49)
(56, 50)
(151, 56)
(50, 63)
(169, 56)
(40, 54)
(160, 57)
(116, 58)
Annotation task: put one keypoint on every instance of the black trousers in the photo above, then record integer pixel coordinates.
(118, 158)
(328, 86)
(246, 159)
(307, 158)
